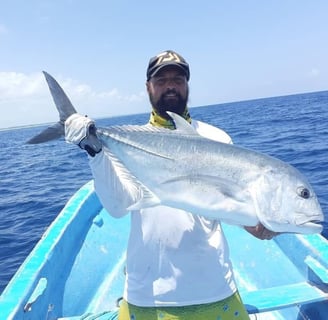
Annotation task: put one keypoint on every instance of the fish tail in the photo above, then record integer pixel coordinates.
(64, 108)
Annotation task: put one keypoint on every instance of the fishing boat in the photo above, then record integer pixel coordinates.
(76, 271)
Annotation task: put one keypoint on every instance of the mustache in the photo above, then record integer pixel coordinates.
(169, 91)
(163, 103)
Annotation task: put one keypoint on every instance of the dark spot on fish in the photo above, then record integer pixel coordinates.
(304, 193)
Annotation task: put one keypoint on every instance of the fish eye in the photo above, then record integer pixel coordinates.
(304, 193)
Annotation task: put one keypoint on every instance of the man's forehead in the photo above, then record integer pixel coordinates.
(171, 70)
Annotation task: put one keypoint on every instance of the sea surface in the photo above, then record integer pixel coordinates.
(37, 180)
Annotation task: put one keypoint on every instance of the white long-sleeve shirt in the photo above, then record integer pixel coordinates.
(174, 258)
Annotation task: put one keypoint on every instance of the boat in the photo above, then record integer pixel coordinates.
(76, 270)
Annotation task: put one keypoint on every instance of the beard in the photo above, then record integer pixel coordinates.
(176, 103)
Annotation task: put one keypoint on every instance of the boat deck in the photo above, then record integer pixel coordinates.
(78, 268)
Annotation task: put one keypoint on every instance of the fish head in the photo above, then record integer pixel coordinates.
(288, 202)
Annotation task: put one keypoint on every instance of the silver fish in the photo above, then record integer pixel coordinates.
(181, 169)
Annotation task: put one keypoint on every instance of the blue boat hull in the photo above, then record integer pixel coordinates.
(77, 268)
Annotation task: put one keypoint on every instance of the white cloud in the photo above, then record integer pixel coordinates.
(25, 99)
(16, 85)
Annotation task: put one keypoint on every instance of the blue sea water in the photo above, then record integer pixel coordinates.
(37, 180)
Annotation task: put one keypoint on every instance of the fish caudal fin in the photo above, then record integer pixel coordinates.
(64, 107)
(62, 102)
(51, 133)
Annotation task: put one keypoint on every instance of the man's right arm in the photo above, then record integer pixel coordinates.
(109, 187)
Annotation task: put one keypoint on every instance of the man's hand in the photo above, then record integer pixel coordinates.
(260, 232)
(81, 130)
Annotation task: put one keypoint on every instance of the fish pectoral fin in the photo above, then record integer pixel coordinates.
(141, 196)
(219, 192)
(215, 197)
(219, 186)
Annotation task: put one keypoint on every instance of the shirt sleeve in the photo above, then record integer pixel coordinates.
(114, 194)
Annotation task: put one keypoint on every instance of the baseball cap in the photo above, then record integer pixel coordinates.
(164, 59)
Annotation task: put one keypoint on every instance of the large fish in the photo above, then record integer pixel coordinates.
(181, 169)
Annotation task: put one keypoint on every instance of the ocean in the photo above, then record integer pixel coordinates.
(37, 180)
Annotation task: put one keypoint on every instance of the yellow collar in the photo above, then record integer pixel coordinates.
(158, 121)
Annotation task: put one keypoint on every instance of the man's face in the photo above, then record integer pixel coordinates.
(168, 91)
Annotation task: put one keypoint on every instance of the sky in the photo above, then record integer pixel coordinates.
(99, 51)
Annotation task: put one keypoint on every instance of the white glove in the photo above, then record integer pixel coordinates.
(81, 130)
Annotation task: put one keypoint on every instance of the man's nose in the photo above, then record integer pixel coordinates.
(171, 82)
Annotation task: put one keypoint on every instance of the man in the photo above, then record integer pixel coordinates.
(178, 264)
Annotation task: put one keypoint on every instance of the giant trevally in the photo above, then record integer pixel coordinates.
(181, 169)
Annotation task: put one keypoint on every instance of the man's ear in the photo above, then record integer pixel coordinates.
(147, 86)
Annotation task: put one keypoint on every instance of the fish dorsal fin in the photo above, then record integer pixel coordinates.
(141, 195)
(182, 124)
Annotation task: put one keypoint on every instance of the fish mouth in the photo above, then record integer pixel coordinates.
(314, 225)
(303, 219)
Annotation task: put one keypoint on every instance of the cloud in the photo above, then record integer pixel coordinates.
(17, 85)
(25, 99)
